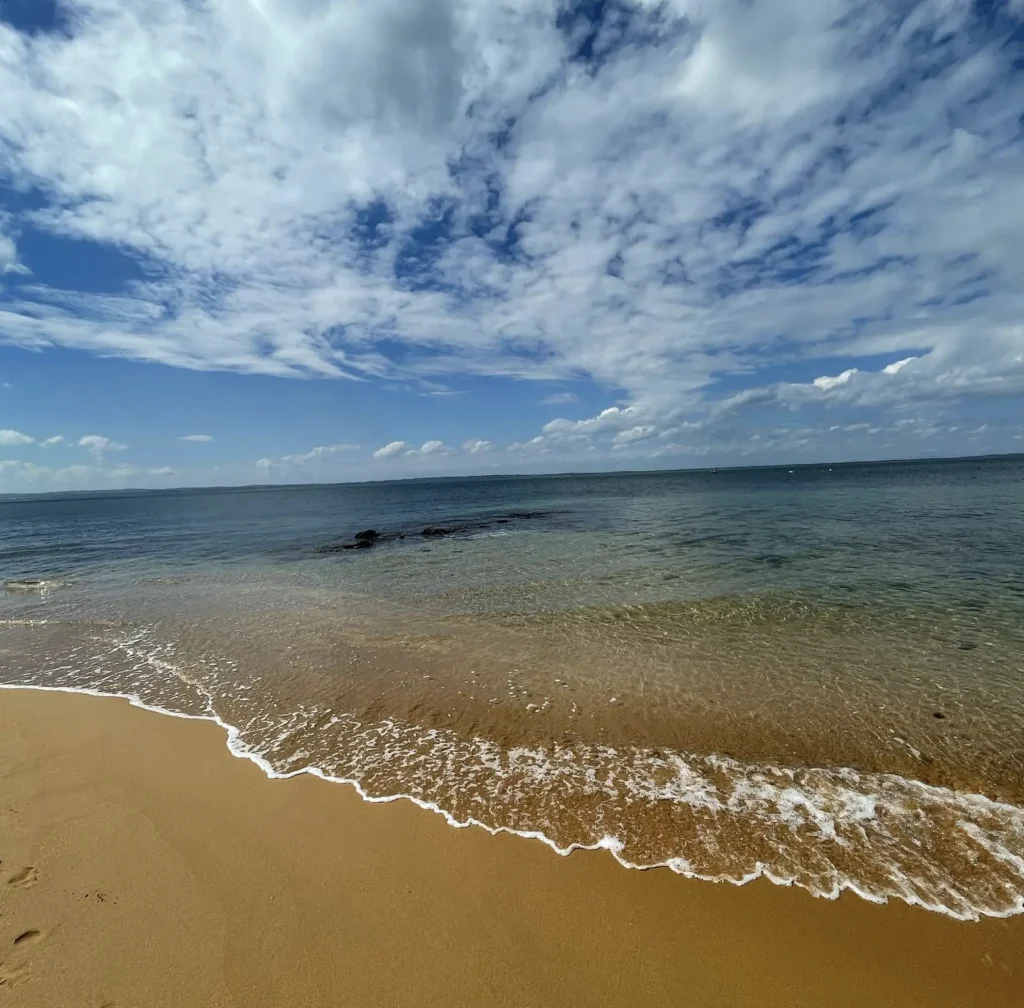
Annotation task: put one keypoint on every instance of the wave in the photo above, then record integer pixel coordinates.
(708, 817)
(38, 585)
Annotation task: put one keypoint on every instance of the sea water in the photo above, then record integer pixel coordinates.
(812, 674)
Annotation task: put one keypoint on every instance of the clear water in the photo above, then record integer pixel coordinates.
(813, 674)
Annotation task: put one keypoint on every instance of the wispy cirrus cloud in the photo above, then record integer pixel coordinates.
(9, 262)
(198, 438)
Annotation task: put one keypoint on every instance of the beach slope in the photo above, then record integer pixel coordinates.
(141, 865)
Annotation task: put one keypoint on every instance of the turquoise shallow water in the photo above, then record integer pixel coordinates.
(813, 674)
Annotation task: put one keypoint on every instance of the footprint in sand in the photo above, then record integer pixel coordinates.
(13, 966)
(24, 878)
(10, 975)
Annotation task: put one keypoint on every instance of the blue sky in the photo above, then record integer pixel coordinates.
(288, 240)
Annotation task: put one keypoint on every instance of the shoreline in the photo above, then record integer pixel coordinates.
(160, 872)
(609, 844)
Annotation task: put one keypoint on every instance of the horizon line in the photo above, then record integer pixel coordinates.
(5, 497)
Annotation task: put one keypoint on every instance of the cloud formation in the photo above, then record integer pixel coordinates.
(98, 445)
(196, 437)
(9, 262)
(392, 449)
(716, 212)
(672, 192)
(13, 437)
(44, 478)
(431, 448)
(305, 464)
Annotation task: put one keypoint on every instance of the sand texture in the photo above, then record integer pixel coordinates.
(141, 864)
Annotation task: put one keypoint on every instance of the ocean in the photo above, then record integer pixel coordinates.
(811, 674)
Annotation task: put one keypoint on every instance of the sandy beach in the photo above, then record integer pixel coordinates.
(143, 865)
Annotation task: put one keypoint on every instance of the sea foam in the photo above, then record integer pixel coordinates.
(704, 816)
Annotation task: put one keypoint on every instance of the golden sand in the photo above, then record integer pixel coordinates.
(142, 865)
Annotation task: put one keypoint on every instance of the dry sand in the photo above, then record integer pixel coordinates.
(143, 865)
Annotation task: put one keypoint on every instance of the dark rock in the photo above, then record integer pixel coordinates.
(939, 715)
(371, 537)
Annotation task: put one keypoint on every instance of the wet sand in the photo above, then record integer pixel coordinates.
(141, 864)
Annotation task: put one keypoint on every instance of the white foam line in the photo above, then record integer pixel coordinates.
(611, 844)
(134, 699)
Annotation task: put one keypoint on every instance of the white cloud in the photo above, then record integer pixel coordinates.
(476, 446)
(19, 475)
(619, 429)
(826, 382)
(308, 464)
(391, 449)
(29, 472)
(611, 417)
(51, 441)
(196, 437)
(13, 437)
(128, 471)
(614, 420)
(560, 398)
(9, 262)
(948, 372)
(402, 448)
(730, 186)
(432, 448)
(98, 445)
(320, 451)
(8, 254)
(641, 432)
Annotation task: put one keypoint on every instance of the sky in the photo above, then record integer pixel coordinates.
(259, 241)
